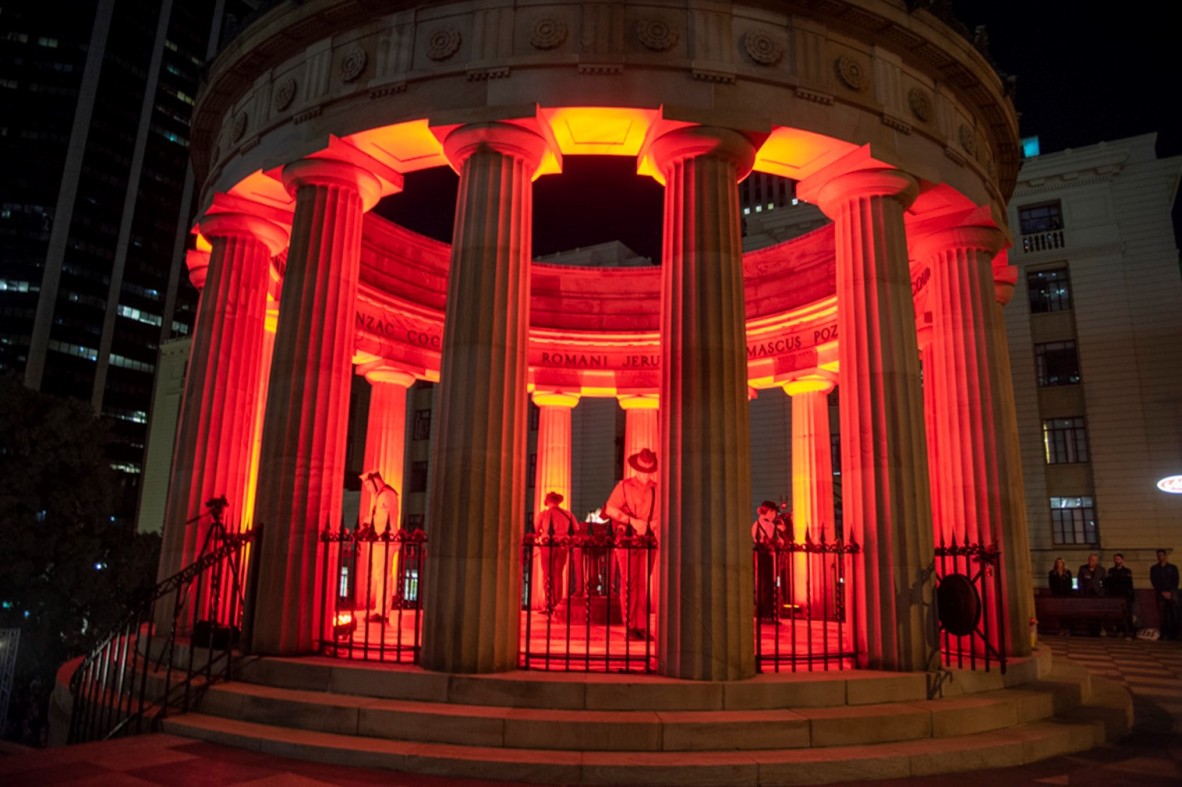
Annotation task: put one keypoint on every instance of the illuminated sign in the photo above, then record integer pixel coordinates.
(1171, 484)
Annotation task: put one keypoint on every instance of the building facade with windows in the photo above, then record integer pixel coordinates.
(95, 104)
(1094, 330)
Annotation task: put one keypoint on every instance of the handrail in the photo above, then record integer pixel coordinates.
(114, 686)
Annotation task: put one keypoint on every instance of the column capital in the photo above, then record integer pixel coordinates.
(555, 399)
(385, 374)
(243, 225)
(818, 382)
(509, 140)
(697, 141)
(639, 402)
(983, 239)
(333, 172)
(197, 261)
(886, 182)
(1005, 277)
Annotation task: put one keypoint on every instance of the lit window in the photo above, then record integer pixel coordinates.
(1056, 363)
(1073, 520)
(1044, 217)
(418, 476)
(1050, 290)
(422, 428)
(1065, 440)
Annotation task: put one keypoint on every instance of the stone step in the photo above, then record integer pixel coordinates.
(1013, 746)
(625, 730)
(622, 692)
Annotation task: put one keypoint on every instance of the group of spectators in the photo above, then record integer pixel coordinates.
(1093, 580)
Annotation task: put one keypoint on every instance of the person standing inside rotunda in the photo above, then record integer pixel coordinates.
(554, 524)
(383, 516)
(768, 534)
(632, 507)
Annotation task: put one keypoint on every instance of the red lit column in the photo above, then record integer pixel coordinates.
(385, 443)
(477, 496)
(301, 463)
(705, 617)
(885, 495)
(640, 426)
(1017, 575)
(213, 448)
(552, 475)
(812, 478)
(554, 441)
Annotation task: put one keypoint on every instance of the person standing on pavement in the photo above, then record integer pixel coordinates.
(1164, 578)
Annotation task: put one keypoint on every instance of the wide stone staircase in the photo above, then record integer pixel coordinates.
(562, 728)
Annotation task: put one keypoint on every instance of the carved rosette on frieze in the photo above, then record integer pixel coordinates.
(920, 103)
(968, 140)
(657, 34)
(850, 72)
(762, 48)
(284, 94)
(443, 43)
(353, 63)
(549, 32)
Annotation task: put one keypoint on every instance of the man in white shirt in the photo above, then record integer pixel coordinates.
(632, 507)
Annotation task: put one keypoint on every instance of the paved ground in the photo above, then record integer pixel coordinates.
(1151, 757)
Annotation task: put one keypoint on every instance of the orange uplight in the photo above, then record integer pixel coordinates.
(599, 131)
(796, 153)
(203, 244)
(404, 147)
(1171, 485)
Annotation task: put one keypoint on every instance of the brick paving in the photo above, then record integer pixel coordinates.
(1150, 757)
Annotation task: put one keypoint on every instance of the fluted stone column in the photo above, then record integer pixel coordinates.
(213, 448)
(704, 611)
(477, 495)
(812, 479)
(301, 464)
(385, 444)
(552, 474)
(554, 442)
(965, 402)
(1017, 573)
(885, 495)
(941, 529)
(641, 428)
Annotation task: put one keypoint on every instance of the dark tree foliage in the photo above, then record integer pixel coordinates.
(69, 571)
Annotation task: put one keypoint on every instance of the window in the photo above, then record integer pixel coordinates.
(418, 476)
(1056, 363)
(1065, 440)
(1050, 290)
(414, 522)
(1045, 217)
(422, 429)
(1073, 520)
(535, 416)
(533, 470)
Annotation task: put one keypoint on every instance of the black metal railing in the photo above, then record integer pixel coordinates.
(804, 615)
(970, 613)
(139, 672)
(372, 598)
(587, 600)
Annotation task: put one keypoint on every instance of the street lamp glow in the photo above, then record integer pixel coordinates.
(1171, 484)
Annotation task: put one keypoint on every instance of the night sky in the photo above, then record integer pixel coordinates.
(1082, 77)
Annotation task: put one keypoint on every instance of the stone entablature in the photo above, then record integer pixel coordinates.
(916, 92)
(596, 329)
